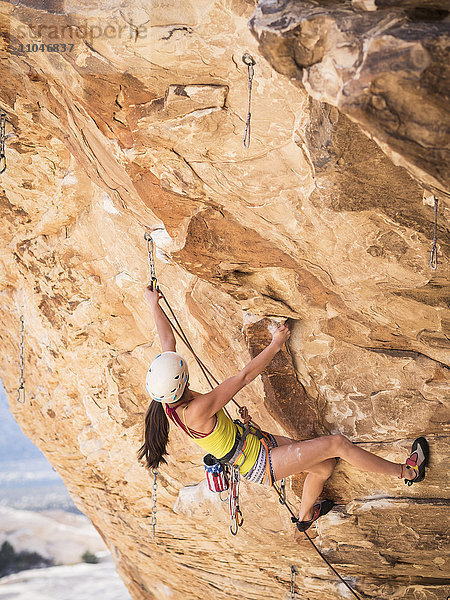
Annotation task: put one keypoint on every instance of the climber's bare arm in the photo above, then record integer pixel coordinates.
(163, 326)
(206, 406)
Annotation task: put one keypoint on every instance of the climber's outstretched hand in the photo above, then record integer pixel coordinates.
(152, 296)
(281, 335)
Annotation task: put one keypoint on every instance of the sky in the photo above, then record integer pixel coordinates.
(12, 438)
(27, 480)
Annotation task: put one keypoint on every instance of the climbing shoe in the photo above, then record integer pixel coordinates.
(320, 509)
(418, 460)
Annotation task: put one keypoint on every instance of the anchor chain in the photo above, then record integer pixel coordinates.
(293, 575)
(248, 60)
(433, 254)
(2, 142)
(154, 500)
(21, 388)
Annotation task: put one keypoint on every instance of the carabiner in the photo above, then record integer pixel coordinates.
(21, 393)
(2, 164)
(433, 258)
(234, 527)
(248, 60)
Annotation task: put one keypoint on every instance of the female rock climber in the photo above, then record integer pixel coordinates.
(265, 460)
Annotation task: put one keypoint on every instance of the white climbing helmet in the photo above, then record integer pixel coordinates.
(167, 377)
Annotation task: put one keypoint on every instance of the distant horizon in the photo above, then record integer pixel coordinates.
(27, 480)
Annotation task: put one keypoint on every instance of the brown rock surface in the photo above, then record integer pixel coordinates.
(385, 64)
(141, 130)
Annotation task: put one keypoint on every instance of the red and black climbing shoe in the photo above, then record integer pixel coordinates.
(418, 460)
(320, 509)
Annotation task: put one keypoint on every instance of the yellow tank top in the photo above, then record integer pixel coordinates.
(220, 441)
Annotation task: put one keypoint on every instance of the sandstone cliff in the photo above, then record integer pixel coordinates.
(134, 123)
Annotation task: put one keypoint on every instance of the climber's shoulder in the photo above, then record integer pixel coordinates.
(210, 403)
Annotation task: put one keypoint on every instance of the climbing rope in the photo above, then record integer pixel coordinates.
(21, 388)
(154, 499)
(293, 575)
(295, 520)
(2, 142)
(433, 254)
(248, 60)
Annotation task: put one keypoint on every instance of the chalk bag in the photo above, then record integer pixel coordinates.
(216, 475)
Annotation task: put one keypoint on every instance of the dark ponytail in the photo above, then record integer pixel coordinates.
(156, 435)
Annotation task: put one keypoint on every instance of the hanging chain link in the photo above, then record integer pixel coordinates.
(154, 499)
(293, 575)
(21, 388)
(2, 142)
(248, 60)
(433, 254)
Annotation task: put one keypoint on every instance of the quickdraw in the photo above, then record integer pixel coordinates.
(21, 388)
(293, 576)
(236, 518)
(2, 142)
(294, 519)
(282, 498)
(433, 254)
(248, 60)
(151, 262)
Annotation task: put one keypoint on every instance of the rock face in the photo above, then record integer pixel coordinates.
(386, 69)
(134, 123)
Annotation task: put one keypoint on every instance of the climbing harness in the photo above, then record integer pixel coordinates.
(295, 520)
(248, 60)
(433, 254)
(293, 575)
(21, 388)
(236, 519)
(2, 142)
(154, 499)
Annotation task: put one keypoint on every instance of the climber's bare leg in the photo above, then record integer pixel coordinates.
(283, 440)
(301, 456)
(313, 485)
